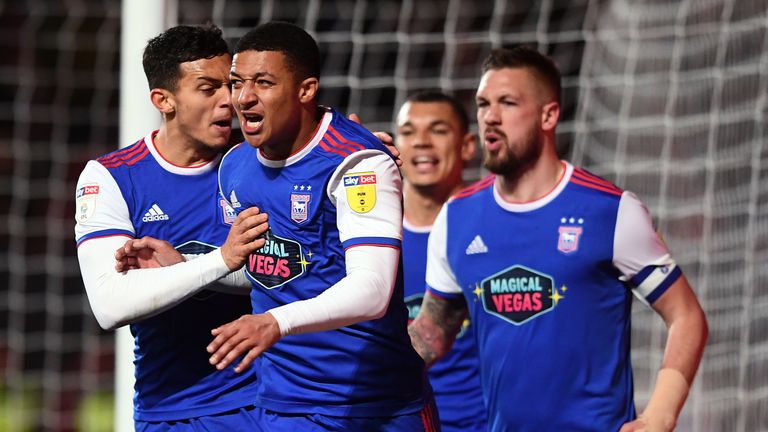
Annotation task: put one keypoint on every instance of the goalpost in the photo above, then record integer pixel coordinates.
(141, 21)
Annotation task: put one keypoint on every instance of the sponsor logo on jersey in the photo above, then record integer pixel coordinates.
(413, 304)
(300, 206)
(88, 189)
(361, 191)
(85, 201)
(155, 214)
(568, 239)
(233, 200)
(227, 212)
(518, 294)
(279, 261)
(476, 246)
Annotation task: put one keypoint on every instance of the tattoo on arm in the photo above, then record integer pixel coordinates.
(435, 328)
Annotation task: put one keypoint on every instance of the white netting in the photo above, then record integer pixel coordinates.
(666, 98)
(58, 89)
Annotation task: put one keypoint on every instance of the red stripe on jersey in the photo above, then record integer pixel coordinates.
(428, 417)
(129, 162)
(123, 154)
(339, 137)
(475, 187)
(591, 178)
(612, 191)
(343, 147)
(330, 149)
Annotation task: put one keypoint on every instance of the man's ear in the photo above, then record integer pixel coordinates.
(308, 89)
(163, 100)
(468, 147)
(550, 115)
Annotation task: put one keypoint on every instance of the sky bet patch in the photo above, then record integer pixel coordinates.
(85, 200)
(361, 191)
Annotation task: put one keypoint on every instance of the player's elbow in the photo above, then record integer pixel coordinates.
(108, 320)
(108, 311)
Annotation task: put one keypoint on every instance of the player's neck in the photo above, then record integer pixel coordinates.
(421, 205)
(533, 183)
(177, 149)
(284, 148)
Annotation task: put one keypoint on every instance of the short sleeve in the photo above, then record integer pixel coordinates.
(100, 209)
(440, 278)
(367, 192)
(639, 253)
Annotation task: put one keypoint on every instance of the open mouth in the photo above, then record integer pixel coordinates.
(492, 140)
(223, 123)
(252, 122)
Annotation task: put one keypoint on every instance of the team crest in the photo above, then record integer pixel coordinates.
(300, 207)
(361, 191)
(85, 200)
(568, 242)
(227, 212)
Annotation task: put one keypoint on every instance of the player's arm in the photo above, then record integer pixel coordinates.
(650, 270)
(686, 337)
(444, 308)
(123, 298)
(435, 328)
(103, 226)
(372, 248)
(148, 252)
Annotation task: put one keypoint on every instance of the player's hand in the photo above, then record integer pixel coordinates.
(250, 334)
(146, 252)
(634, 426)
(384, 137)
(643, 424)
(245, 236)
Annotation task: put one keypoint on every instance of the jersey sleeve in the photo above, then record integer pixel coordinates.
(101, 210)
(440, 278)
(639, 253)
(367, 191)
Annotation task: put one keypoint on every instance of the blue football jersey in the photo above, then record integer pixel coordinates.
(366, 369)
(549, 288)
(137, 193)
(455, 379)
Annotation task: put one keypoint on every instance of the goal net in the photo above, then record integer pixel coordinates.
(665, 98)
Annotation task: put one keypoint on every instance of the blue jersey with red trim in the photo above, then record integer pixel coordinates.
(548, 285)
(364, 370)
(174, 379)
(455, 379)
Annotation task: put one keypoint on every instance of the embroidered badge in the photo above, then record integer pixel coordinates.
(569, 235)
(85, 200)
(227, 212)
(300, 206)
(361, 191)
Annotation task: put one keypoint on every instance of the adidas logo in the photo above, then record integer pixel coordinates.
(233, 200)
(155, 214)
(477, 246)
